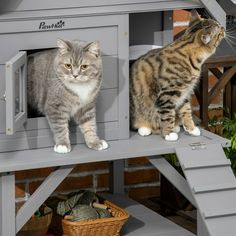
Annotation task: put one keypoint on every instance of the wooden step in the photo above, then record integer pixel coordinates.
(196, 164)
(215, 214)
(214, 187)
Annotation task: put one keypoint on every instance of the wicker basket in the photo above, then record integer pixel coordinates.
(36, 226)
(99, 227)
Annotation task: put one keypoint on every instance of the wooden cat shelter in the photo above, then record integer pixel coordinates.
(25, 142)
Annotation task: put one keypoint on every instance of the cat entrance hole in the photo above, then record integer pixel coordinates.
(31, 111)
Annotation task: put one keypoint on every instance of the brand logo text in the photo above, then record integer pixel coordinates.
(58, 25)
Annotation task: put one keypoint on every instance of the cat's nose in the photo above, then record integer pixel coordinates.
(75, 76)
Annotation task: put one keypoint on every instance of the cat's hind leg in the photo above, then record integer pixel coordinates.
(143, 127)
(151, 124)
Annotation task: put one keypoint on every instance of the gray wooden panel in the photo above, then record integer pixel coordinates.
(16, 101)
(43, 137)
(12, 43)
(199, 157)
(221, 227)
(2, 101)
(23, 5)
(216, 11)
(123, 52)
(110, 72)
(228, 6)
(133, 147)
(209, 176)
(57, 23)
(107, 105)
(43, 132)
(209, 202)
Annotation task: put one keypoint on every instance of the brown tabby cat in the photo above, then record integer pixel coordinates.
(162, 81)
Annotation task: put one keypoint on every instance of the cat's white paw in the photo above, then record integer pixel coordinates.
(171, 136)
(143, 131)
(62, 149)
(104, 145)
(98, 145)
(195, 132)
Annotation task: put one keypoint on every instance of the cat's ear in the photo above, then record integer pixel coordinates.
(93, 48)
(63, 45)
(195, 17)
(206, 38)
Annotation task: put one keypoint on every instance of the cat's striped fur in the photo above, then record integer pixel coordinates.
(63, 84)
(162, 81)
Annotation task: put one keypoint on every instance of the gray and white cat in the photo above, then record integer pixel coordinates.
(63, 84)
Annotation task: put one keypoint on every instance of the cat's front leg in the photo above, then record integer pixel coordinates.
(59, 127)
(185, 114)
(167, 124)
(88, 127)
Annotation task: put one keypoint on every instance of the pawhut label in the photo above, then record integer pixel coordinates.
(43, 25)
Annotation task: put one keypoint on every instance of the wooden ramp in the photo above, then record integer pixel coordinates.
(209, 184)
(213, 185)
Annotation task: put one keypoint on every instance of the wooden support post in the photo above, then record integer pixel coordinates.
(117, 177)
(7, 204)
(167, 27)
(204, 97)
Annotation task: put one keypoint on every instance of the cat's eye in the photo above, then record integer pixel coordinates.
(68, 66)
(84, 67)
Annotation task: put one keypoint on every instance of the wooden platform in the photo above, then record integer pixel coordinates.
(145, 222)
(134, 147)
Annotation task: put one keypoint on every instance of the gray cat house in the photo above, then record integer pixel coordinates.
(25, 141)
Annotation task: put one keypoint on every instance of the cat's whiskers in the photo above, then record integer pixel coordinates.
(232, 29)
(230, 40)
(230, 37)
